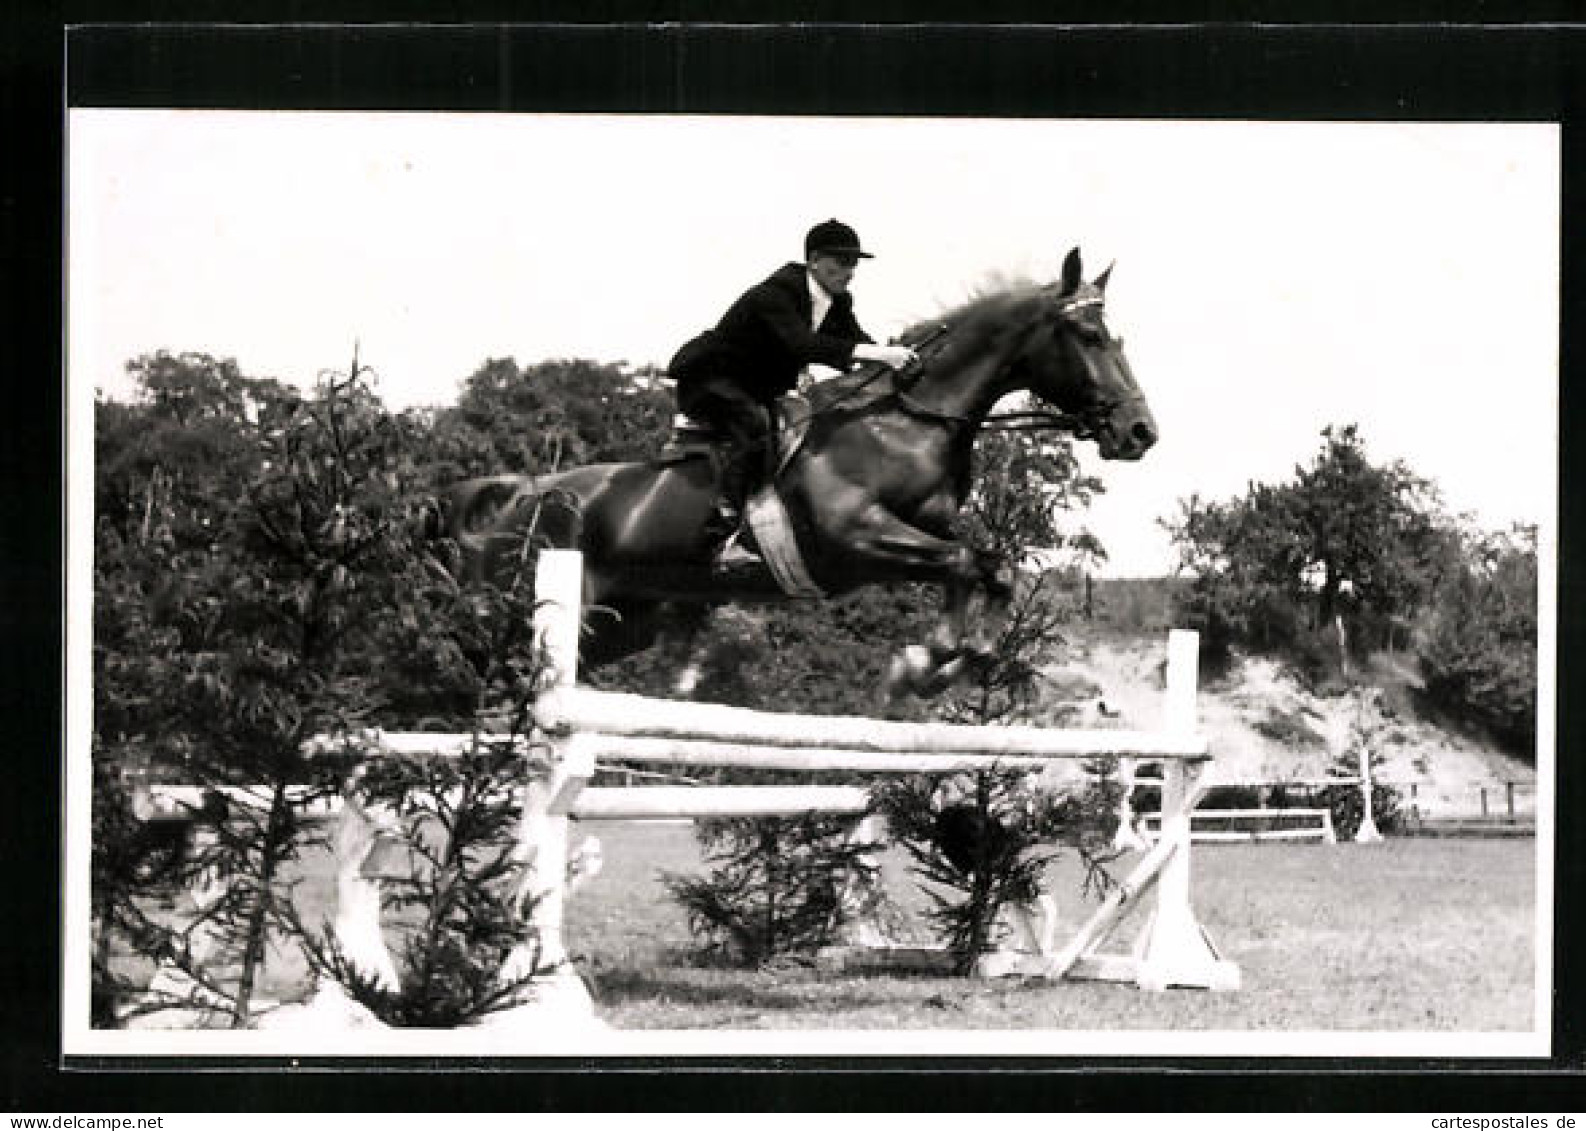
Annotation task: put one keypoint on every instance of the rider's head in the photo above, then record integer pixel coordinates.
(832, 251)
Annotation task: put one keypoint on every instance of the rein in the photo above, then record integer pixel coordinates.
(1083, 425)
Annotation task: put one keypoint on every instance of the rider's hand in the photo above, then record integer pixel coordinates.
(894, 357)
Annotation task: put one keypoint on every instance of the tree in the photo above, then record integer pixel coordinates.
(1345, 543)
(1362, 526)
(1478, 649)
(550, 416)
(265, 585)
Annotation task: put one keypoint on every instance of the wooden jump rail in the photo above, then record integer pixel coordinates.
(584, 726)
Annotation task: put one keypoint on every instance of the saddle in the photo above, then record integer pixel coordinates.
(790, 422)
(768, 539)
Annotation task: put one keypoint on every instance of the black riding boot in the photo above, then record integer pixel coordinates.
(735, 487)
(735, 545)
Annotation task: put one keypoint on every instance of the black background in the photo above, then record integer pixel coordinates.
(1448, 61)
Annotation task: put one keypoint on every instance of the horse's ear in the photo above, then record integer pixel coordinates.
(1073, 272)
(1101, 280)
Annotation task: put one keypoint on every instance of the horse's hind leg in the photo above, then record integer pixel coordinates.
(617, 628)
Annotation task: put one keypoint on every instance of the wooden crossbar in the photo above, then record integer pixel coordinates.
(569, 709)
(707, 753)
(649, 802)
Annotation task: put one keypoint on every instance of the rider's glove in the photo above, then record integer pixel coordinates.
(894, 357)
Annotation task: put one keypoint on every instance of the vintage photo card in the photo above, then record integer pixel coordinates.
(650, 579)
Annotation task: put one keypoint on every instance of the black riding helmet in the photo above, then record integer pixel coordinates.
(833, 237)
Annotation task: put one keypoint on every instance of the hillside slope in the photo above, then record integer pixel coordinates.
(1264, 726)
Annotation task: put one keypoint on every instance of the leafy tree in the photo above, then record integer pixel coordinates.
(262, 588)
(1373, 529)
(225, 615)
(1346, 540)
(1367, 547)
(1025, 484)
(549, 416)
(171, 464)
(1478, 649)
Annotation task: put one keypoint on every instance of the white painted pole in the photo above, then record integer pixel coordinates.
(603, 712)
(542, 845)
(1127, 835)
(1368, 833)
(821, 756)
(358, 897)
(1179, 709)
(620, 803)
(1177, 952)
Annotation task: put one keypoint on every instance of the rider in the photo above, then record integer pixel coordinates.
(730, 376)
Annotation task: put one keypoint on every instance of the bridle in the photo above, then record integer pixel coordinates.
(1086, 424)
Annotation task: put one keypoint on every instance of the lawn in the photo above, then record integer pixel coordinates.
(1410, 935)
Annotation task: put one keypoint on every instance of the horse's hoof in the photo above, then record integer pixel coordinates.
(906, 672)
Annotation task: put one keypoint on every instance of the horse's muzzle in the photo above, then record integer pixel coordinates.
(1128, 440)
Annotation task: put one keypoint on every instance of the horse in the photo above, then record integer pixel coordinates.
(871, 484)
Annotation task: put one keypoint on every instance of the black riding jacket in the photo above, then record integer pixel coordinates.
(764, 339)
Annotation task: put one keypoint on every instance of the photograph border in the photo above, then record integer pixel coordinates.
(1339, 72)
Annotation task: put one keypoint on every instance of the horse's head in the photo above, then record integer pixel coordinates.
(1073, 362)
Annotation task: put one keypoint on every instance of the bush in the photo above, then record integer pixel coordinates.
(775, 887)
(982, 842)
(457, 900)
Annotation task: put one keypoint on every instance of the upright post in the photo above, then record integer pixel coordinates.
(1127, 835)
(358, 895)
(542, 843)
(1176, 951)
(1368, 832)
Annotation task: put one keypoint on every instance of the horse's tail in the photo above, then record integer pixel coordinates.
(479, 520)
(471, 510)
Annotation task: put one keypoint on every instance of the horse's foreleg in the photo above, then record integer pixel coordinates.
(891, 547)
(974, 611)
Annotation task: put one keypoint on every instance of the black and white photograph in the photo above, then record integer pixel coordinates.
(550, 584)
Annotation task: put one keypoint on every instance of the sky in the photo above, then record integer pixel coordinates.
(1271, 278)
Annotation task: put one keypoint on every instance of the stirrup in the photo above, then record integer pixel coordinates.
(734, 554)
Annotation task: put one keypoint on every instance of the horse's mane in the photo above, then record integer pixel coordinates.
(982, 311)
(986, 301)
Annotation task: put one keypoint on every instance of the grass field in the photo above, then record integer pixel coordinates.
(1410, 935)
(1405, 935)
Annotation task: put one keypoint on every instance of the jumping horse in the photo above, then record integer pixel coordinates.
(871, 479)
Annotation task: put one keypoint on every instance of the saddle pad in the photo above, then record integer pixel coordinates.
(773, 531)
